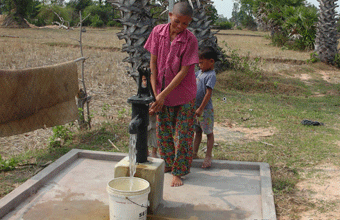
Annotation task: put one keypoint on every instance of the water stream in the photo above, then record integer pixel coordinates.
(132, 157)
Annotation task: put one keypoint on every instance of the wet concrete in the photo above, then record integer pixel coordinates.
(229, 190)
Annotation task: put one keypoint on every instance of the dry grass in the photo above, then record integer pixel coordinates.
(102, 38)
(257, 46)
(243, 32)
(105, 76)
(110, 87)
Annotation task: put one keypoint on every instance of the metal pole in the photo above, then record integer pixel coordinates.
(171, 6)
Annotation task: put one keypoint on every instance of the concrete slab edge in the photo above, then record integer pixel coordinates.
(268, 206)
(101, 155)
(31, 186)
(230, 165)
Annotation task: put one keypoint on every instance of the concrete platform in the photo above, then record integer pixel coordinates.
(74, 187)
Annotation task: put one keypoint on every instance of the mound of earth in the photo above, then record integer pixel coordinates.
(11, 22)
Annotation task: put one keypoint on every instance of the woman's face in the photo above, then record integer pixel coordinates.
(178, 22)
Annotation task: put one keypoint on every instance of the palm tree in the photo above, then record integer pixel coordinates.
(200, 26)
(137, 20)
(326, 42)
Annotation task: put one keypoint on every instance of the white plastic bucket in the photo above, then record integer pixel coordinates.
(126, 204)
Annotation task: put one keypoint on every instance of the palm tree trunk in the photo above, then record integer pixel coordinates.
(326, 41)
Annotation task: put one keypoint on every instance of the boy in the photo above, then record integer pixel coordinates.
(205, 79)
(174, 54)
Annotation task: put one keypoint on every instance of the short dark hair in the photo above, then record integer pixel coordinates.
(183, 8)
(208, 53)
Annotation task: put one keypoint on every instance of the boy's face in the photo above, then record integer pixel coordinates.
(206, 64)
(178, 22)
(144, 82)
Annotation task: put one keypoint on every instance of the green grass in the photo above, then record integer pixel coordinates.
(293, 146)
(95, 139)
(299, 145)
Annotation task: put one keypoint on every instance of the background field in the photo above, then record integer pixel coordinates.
(266, 105)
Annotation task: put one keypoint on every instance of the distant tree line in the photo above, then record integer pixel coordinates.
(45, 12)
(101, 12)
(292, 23)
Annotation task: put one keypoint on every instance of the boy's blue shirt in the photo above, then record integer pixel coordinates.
(204, 80)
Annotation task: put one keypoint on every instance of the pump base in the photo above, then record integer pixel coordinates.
(152, 171)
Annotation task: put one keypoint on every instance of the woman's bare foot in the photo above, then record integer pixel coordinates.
(206, 162)
(167, 169)
(176, 181)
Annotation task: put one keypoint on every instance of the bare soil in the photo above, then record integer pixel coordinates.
(321, 186)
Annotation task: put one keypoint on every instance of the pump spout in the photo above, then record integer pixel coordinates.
(134, 124)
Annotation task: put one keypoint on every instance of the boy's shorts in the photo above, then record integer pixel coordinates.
(205, 122)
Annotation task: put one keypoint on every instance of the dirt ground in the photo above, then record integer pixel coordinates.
(320, 184)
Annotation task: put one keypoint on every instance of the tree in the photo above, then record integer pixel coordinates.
(58, 2)
(79, 5)
(138, 22)
(242, 14)
(247, 6)
(49, 14)
(300, 23)
(17, 10)
(327, 36)
(100, 15)
(2, 6)
(235, 14)
(212, 13)
(266, 11)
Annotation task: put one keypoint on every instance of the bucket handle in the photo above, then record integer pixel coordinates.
(136, 203)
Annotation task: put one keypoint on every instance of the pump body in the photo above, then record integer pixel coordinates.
(140, 115)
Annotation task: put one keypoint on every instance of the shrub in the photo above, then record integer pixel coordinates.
(114, 24)
(61, 135)
(100, 15)
(6, 165)
(303, 22)
(224, 25)
(313, 58)
(46, 14)
(96, 21)
(337, 60)
(38, 22)
(279, 39)
(300, 21)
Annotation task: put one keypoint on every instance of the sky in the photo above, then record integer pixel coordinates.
(225, 7)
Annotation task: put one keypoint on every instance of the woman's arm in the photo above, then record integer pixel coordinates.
(158, 104)
(153, 77)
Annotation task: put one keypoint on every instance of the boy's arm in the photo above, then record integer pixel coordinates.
(205, 101)
(157, 106)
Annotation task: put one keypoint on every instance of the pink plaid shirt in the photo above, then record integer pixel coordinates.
(183, 51)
